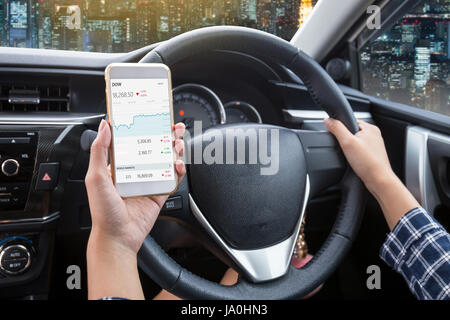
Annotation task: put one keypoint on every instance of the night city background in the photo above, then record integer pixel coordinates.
(409, 63)
(124, 25)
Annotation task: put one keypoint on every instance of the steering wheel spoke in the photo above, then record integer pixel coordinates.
(176, 205)
(263, 264)
(325, 161)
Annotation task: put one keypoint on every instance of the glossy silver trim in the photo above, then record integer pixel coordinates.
(418, 175)
(46, 119)
(260, 264)
(302, 116)
(222, 114)
(51, 217)
(17, 167)
(2, 252)
(64, 134)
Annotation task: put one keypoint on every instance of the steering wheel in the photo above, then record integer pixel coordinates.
(253, 218)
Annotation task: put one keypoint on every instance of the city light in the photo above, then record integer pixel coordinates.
(409, 63)
(125, 25)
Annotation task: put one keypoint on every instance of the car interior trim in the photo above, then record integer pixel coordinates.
(50, 217)
(49, 119)
(301, 116)
(261, 264)
(418, 175)
(339, 15)
(212, 94)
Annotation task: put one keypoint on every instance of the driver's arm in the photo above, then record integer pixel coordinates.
(418, 246)
(119, 226)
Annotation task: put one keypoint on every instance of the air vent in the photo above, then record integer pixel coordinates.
(26, 98)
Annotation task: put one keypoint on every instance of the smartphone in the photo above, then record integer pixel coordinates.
(140, 113)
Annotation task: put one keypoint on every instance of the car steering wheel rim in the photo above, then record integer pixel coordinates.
(295, 283)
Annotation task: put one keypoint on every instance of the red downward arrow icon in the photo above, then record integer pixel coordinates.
(137, 93)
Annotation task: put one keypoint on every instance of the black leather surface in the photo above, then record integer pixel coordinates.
(325, 162)
(296, 283)
(243, 206)
(322, 88)
(324, 91)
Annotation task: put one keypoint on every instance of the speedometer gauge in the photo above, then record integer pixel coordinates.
(239, 111)
(194, 102)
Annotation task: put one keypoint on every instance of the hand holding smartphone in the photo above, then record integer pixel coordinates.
(140, 113)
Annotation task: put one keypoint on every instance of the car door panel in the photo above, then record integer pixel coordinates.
(439, 155)
(417, 142)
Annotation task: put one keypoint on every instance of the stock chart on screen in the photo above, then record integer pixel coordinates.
(142, 128)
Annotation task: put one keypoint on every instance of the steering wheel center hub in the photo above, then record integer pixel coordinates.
(249, 182)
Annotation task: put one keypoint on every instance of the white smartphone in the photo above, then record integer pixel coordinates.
(140, 113)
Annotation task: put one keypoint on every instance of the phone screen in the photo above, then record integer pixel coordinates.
(142, 130)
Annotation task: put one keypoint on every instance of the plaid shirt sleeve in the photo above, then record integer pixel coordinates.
(419, 249)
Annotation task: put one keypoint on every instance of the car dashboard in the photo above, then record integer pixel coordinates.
(48, 99)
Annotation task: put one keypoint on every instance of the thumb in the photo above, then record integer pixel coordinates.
(99, 150)
(338, 129)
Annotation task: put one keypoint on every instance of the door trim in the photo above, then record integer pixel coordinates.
(418, 175)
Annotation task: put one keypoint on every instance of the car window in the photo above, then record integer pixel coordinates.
(409, 62)
(125, 25)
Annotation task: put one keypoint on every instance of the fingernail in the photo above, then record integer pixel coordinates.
(180, 132)
(179, 162)
(327, 121)
(105, 126)
(102, 125)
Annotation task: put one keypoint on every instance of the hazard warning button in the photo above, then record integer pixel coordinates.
(48, 176)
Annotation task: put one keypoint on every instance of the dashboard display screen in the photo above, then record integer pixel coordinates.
(142, 130)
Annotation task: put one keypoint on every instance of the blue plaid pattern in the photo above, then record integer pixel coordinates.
(419, 249)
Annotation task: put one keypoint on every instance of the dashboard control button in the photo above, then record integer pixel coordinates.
(14, 140)
(18, 187)
(5, 199)
(14, 259)
(13, 196)
(48, 176)
(12, 202)
(10, 167)
(174, 203)
(14, 266)
(16, 199)
(15, 252)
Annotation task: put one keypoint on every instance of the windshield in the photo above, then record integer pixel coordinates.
(125, 25)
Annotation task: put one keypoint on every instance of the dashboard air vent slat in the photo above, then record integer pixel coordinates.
(26, 98)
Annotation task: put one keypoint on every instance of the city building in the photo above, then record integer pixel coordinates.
(305, 9)
(19, 23)
(421, 66)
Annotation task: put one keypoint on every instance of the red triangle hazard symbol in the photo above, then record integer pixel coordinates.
(46, 177)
